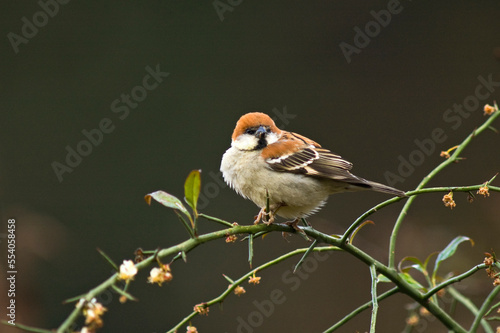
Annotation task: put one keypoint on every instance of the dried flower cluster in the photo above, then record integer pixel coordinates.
(492, 270)
(160, 274)
(254, 279)
(93, 312)
(201, 308)
(448, 200)
(483, 190)
(488, 110)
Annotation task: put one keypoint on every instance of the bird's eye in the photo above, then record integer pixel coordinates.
(268, 130)
(250, 131)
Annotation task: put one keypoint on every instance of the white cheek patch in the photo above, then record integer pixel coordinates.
(245, 142)
(272, 138)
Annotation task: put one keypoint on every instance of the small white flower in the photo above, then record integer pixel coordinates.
(127, 270)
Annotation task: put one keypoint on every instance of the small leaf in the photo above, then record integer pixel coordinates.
(411, 281)
(417, 264)
(383, 278)
(192, 189)
(448, 251)
(167, 200)
(358, 229)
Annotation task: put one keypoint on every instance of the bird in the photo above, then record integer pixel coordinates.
(286, 172)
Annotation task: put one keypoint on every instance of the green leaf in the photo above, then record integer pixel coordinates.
(166, 200)
(417, 264)
(192, 189)
(358, 229)
(411, 281)
(448, 251)
(383, 278)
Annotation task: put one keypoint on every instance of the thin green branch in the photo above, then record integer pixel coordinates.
(373, 274)
(360, 309)
(453, 158)
(211, 218)
(27, 328)
(493, 307)
(470, 306)
(260, 229)
(453, 280)
(236, 283)
(410, 194)
(484, 308)
(250, 249)
(313, 245)
(392, 275)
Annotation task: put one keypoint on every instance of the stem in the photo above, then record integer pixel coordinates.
(27, 328)
(484, 308)
(236, 283)
(211, 218)
(453, 158)
(453, 280)
(413, 193)
(470, 306)
(361, 309)
(373, 273)
(392, 275)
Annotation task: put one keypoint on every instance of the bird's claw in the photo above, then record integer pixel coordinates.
(265, 217)
(295, 227)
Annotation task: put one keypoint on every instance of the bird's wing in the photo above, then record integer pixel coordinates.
(299, 154)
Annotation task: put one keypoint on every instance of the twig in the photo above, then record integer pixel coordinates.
(453, 280)
(470, 306)
(484, 308)
(453, 158)
(361, 309)
(237, 282)
(373, 273)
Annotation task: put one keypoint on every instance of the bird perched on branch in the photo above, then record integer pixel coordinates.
(293, 172)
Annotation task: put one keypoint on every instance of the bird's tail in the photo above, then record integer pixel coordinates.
(374, 186)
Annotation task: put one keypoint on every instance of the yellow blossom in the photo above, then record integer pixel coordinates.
(444, 154)
(423, 312)
(448, 200)
(483, 190)
(127, 270)
(239, 290)
(254, 279)
(191, 329)
(412, 320)
(231, 238)
(201, 308)
(160, 275)
(488, 110)
(93, 312)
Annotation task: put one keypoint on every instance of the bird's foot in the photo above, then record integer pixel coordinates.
(295, 227)
(264, 216)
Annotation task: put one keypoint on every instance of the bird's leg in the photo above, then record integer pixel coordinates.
(267, 217)
(295, 227)
(262, 216)
(293, 224)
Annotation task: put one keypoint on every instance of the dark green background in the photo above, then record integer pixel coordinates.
(263, 56)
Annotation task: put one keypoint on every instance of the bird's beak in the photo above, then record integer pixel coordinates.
(261, 132)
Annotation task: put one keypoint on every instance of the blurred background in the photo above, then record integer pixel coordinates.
(159, 85)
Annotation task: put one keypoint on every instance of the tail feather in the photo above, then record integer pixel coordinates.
(385, 189)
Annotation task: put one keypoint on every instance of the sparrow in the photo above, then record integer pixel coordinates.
(291, 172)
